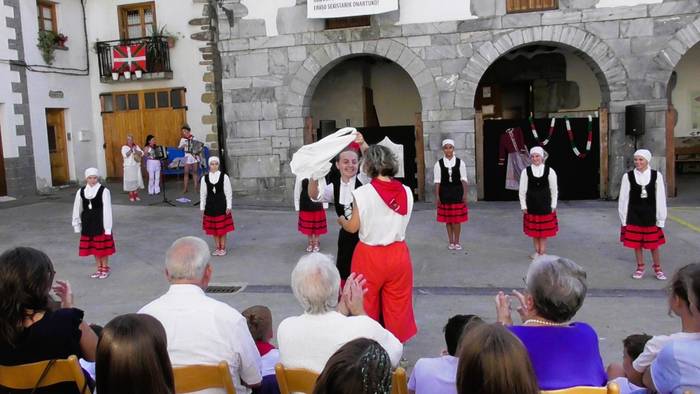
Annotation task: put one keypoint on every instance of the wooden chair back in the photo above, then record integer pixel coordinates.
(42, 374)
(192, 378)
(611, 388)
(291, 380)
(399, 382)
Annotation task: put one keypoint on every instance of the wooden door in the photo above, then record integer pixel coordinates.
(58, 149)
(3, 184)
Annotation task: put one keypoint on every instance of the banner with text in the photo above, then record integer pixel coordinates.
(342, 8)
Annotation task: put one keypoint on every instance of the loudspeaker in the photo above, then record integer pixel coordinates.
(634, 119)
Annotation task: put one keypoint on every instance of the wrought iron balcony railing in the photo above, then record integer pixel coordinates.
(147, 58)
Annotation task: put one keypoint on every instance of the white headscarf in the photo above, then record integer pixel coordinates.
(213, 159)
(447, 141)
(645, 153)
(537, 150)
(92, 171)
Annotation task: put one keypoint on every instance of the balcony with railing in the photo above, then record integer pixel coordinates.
(145, 58)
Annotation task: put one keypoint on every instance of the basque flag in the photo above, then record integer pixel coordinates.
(129, 58)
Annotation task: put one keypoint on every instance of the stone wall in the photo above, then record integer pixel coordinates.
(268, 81)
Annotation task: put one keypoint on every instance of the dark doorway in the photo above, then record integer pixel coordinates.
(402, 135)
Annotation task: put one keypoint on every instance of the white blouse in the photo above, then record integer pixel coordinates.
(449, 163)
(326, 193)
(643, 179)
(538, 171)
(213, 178)
(129, 158)
(379, 225)
(91, 192)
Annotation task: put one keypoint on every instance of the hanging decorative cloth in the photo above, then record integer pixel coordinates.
(534, 131)
(589, 140)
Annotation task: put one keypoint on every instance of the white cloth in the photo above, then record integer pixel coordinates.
(153, 168)
(133, 180)
(313, 161)
(643, 179)
(90, 193)
(537, 150)
(397, 150)
(346, 188)
(269, 360)
(676, 369)
(654, 346)
(449, 163)
(434, 375)
(297, 192)
(379, 225)
(645, 153)
(202, 330)
(213, 178)
(538, 171)
(448, 141)
(189, 157)
(308, 341)
(92, 171)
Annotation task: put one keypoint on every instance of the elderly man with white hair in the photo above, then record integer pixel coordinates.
(200, 329)
(309, 340)
(642, 208)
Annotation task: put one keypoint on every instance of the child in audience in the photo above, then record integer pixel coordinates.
(89, 366)
(633, 346)
(260, 325)
(437, 375)
(361, 366)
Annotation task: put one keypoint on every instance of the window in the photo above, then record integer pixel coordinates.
(47, 15)
(137, 20)
(107, 101)
(344, 23)
(150, 100)
(121, 102)
(177, 98)
(513, 6)
(133, 101)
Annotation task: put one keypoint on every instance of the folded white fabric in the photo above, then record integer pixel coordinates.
(313, 161)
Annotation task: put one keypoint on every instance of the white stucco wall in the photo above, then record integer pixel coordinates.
(395, 95)
(184, 60)
(687, 87)
(588, 86)
(623, 3)
(8, 121)
(415, 11)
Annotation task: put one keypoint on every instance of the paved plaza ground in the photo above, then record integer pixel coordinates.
(266, 245)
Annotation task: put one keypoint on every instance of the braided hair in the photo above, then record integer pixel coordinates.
(360, 366)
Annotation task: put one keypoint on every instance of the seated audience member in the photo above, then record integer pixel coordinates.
(260, 325)
(437, 375)
(308, 340)
(361, 366)
(200, 329)
(30, 329)
(676, 368)
(89, 366)
(494, 361)
(132, 357)
(633, 346)
(563, 353)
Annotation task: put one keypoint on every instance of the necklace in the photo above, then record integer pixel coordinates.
(589, 140)
(534, 131)
(544, 323)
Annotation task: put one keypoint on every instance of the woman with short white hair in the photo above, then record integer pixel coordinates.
(309, 340)
(642, 209)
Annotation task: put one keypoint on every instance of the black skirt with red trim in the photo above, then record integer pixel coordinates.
(96, 245)
(312, 222)
(642, 237)
(217, 225)
(540, 226)
(452, 213)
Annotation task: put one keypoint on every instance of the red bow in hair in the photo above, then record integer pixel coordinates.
(393, 194)
(354, 146)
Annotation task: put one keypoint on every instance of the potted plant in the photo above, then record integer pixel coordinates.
(61, 40)
(47, 44)
(115, 76)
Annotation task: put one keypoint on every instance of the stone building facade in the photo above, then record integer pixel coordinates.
(268, 80)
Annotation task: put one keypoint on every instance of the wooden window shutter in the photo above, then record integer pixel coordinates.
(514, 6)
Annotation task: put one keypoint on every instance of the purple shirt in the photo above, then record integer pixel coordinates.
(563, 356)
(434, 376)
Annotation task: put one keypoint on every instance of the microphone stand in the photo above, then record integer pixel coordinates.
(163, 162)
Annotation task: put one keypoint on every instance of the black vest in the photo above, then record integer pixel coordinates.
(305, 203)
(335, 181)
(538, 197)
(92, 219)
(642, 211)
(216, 202)
(451, 192)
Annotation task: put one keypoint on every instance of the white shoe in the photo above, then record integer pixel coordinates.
(458, 247)
(451, 247)
(533, 256)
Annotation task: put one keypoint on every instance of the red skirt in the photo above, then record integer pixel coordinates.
(217, 225)
(96, 245)
(642, 237)
(389, 298)
(540, 226)
(312, 222)
(452, 213)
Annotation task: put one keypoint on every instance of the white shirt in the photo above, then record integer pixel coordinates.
(434, 375)
(202, 330)
(654, 346)
(326, 193)
(379, 225)
(129, 160)
(643, 179)
(91, 192)
(213, 178)
(269, 360)
(189, 157)
(449, 163)
(538, 171)
(308, 341)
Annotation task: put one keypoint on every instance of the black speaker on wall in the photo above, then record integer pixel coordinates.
(634, 119)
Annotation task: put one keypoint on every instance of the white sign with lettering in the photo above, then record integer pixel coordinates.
(343, 8)
(624, 3)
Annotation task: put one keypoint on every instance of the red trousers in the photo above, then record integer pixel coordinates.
(389, 298)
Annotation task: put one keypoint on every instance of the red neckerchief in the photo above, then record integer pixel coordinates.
(263, 347)
(393, 194)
